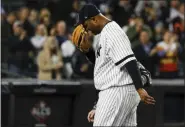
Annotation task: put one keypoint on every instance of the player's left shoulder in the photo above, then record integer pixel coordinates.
(115, 29)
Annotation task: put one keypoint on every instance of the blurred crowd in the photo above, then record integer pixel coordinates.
(39, 44)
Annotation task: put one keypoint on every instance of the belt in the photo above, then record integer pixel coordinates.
(123, 85)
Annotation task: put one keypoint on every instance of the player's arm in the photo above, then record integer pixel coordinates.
(145, 75)
(91, 55)
(80, 38)
(134, 73)
(119, 50)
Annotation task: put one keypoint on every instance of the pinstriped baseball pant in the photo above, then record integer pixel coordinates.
(117, 107)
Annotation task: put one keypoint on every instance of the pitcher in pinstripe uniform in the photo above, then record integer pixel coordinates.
(116, 72)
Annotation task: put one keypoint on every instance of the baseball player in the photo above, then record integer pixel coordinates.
(117, 74)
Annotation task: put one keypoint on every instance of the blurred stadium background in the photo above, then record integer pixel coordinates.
(156, 30)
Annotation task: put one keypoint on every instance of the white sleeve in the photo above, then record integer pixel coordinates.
(119, 47)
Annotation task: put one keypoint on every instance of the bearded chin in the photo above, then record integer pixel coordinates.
(96, 32)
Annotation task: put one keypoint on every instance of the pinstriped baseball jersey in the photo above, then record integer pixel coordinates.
(112, 53)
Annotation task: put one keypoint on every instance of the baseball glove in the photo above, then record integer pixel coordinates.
(80, 39)
(145, 75)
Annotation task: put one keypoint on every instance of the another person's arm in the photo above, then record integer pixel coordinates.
(58, 70)
(158, 50)
(91, 56)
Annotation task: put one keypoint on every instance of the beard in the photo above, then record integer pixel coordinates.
(95, 32)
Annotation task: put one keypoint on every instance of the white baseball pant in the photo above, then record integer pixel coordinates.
(117, 107)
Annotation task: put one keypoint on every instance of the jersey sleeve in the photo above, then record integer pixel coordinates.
(119, 47)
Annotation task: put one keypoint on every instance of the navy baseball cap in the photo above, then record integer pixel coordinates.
(88, 11)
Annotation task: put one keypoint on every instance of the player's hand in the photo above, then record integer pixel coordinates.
(84, 68)
(147, 99)
(90, 116)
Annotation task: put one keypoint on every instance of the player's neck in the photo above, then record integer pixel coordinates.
(104, 22)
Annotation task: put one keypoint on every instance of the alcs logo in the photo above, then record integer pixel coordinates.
(41, 111)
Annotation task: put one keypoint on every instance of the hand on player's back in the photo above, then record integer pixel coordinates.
(147, 99)
(90, 116)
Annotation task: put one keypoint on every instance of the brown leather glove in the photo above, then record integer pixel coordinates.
(80, 39)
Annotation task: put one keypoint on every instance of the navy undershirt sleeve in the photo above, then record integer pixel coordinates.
(134, 72)
(91, 56)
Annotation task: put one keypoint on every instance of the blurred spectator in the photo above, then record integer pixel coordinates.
(149, 15)
(181, 33)
(178, 25)
(121, 11)
(60, 9)
(176, 9)
(33, 18)
(21, 49)
(142, 4)
(50, 60)
(74, 13)
(23, 17)
(40, 36)
(109, 16)
(2, 14)
(61, 31)
(176, 17)
(182, 11)
(163, 13)
(53, 31)
(145, 23)
(104, 8)
(7, 25)
(46, 21)
(23, 14)
(142, 52)
(158, 32)
(131, 23)
(45, 18)
(167, 52)
(152, 10)
(44, 12)
(134, 31)
(68, 50)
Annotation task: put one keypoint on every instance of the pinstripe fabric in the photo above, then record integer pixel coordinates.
(113, 52)
(117, 107)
